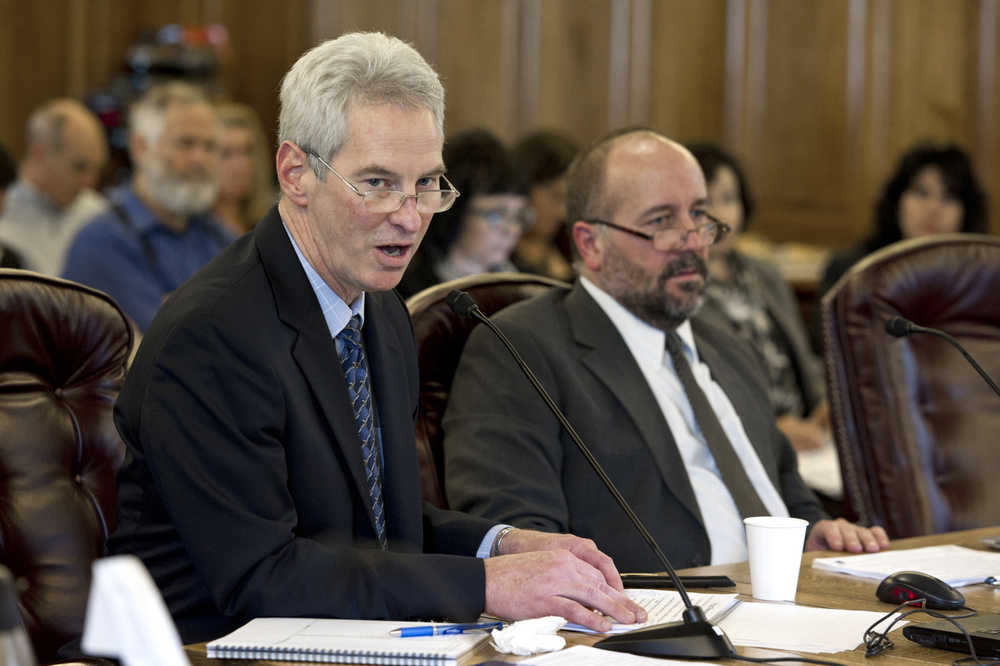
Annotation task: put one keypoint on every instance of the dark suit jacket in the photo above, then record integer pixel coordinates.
(242, 488)
(508, 459)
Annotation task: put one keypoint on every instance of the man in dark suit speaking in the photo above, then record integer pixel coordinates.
(269, 414)
(677, 413)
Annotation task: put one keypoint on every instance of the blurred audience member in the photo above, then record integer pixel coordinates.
(541, 160)
(749, 298)
(53, 196)
(933, 191)
(246, 190)
(8, 174)
(479, 232)
(158, 231)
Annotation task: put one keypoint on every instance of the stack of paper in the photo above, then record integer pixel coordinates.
(953, 564)
(339, 641)
(666, 606)
(799, 628)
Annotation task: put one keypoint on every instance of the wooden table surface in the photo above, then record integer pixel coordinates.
(816, 588)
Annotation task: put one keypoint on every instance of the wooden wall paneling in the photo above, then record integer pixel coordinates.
(640, 62)
(475, 60)
(796, 120)
(266, 38)
(853, 220)
(687, 95)
(529, 69)
(38, 62)
(734, 75)
(336, 18)
(619, 35)
(872, 153)
(11, 136)
(987, 131)
(933, 72)
(574, 57)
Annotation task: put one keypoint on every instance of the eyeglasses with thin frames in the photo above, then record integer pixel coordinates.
(389, 201)
(708, 233)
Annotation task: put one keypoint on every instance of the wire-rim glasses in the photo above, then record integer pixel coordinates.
(709, 233)
(389, 201)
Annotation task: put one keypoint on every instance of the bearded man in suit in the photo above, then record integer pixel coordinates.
(675, 411)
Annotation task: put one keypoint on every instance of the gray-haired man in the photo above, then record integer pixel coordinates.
(269, 413)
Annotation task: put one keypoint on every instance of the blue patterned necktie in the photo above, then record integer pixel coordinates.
(355, 365)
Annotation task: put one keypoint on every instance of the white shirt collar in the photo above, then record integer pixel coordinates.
(646, 342)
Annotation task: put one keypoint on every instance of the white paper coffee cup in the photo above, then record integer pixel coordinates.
(775, 548)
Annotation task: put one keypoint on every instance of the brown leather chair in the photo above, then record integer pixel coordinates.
(62, 360)
(441, 336)
(915, 425)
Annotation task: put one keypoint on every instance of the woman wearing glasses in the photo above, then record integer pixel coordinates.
(479, 232)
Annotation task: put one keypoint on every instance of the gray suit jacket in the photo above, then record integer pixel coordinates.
(508, 459)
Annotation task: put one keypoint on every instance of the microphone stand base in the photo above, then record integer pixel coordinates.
(692, 640)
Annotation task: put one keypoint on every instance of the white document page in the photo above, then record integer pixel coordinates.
(954, 565)
(799, 628)
(275, 637)
(666, 606)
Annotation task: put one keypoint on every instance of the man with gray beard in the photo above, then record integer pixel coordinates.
(158, 232)
(676, 412)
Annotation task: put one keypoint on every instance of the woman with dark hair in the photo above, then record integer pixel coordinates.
(479, 232)
(751, 299)
(933, 191)
(542, 159)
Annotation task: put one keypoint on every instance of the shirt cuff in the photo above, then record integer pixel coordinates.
(486, 545)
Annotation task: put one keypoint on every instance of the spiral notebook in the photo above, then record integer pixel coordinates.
(340, 641)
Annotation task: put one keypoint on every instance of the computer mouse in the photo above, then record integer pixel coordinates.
(904, 586)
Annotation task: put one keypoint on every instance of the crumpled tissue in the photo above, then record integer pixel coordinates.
(532, 636)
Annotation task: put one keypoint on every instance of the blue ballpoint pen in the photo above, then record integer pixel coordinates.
(442, 629)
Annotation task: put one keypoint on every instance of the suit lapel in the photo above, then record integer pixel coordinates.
(606, 355)
(741, 396)
(314, 350)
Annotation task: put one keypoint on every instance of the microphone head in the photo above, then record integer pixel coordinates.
(461, 303)
(898, 327)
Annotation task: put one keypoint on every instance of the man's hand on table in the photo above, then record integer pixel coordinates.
(537, 574)
(844, 536)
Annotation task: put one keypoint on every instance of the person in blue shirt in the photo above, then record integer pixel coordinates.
(157, 232)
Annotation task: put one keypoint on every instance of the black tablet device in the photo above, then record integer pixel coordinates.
(983, 629)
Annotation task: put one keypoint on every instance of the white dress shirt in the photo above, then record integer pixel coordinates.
(718, 509)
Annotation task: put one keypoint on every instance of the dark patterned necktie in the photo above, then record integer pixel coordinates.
(733, 473)
(355, 365)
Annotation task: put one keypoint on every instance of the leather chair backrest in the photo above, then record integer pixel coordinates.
(915, 425)
(441, 336)
(63, 353)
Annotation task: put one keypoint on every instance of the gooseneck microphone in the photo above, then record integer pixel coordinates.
(694, 636)
(900, 328)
